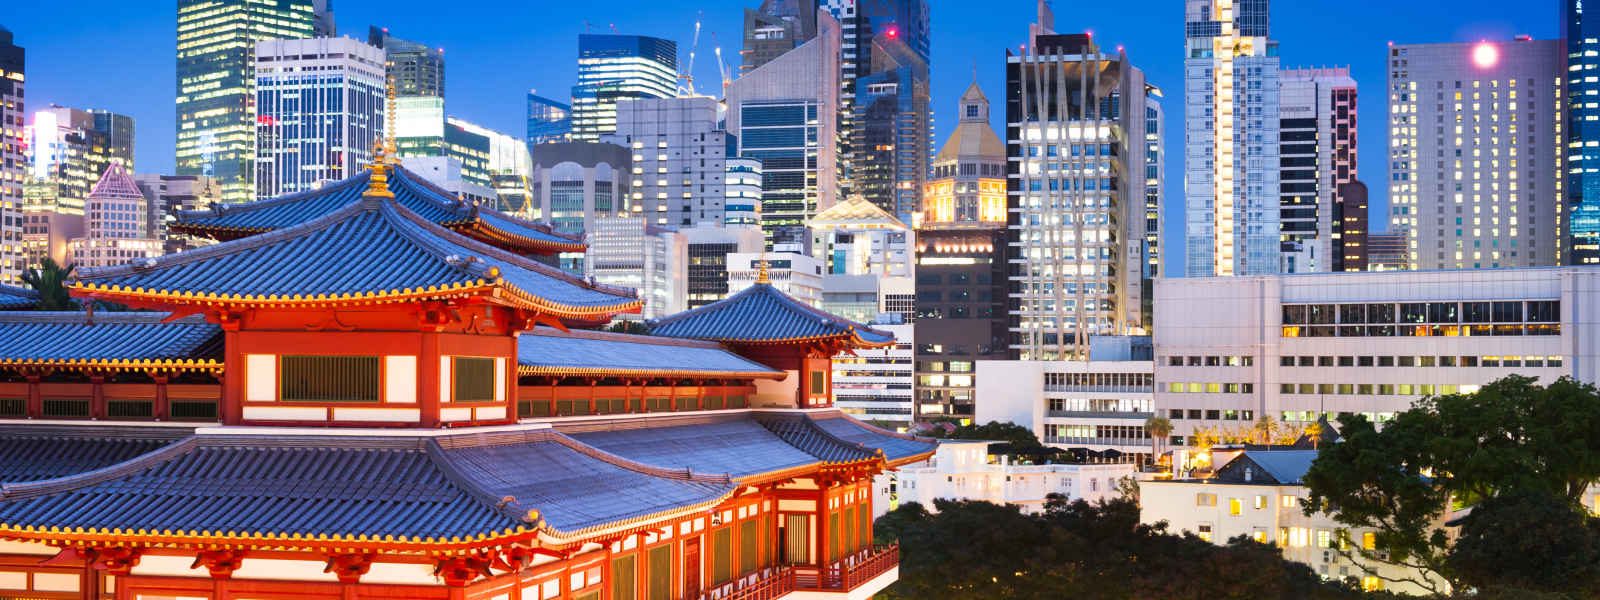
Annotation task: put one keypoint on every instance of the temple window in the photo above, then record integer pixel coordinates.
(722, 556)
(303, 378)
(624, 576)
(819, 383)
(475, 379)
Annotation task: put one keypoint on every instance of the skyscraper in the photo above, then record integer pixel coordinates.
(216, 83)
(778, 26)
(777, 113)
(615, 67)
(13, 167)
(1581, 30)
(1474, 152)
(891, 128)
(116, 223)
(680, 156)
(70, 148)
(1155, 164)
(166, 196)
(548, 120)
(863, 25)
(1231, 139)
(418, 68)
(319, 110)
(1317, 154)
(1076, 119)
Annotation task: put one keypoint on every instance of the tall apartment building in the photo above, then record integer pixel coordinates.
(1354, 219)
(892, 123)
(1581, 30)
(1231, 202)
(618, 67)
(166, 196)
(632, 253)
(70, 149)
(1299, 347)
(575, 183)
(417, 68)
(778, 26)
(1317, 154)
(1155, 164)
(506, 154)
(743, 194)
(1075, 119)
(548, 120)
(319, 111)
(680, 156)
(874, 385)
(777, 113)
(216, 118)
(116, 223)
(863, 23)
(708, 249)
(49, 223)
(1474, 152)
(13, 169)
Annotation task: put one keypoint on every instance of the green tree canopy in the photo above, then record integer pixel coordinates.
(50, 280)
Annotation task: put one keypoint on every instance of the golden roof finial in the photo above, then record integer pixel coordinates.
(378, 184)
(388, 115)
(762, 274)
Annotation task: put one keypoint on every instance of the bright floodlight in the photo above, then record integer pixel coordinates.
(1485, 55)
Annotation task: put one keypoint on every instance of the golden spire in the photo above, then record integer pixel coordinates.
(378, 184)
(762, 276)
(388, 116)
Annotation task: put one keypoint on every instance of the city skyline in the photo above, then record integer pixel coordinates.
(967, 40)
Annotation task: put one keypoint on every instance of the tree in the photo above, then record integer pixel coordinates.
(1021, 440)
(50, 280)
(1159, 428)
(1529, 542)
(1511, 437)
(628, 326)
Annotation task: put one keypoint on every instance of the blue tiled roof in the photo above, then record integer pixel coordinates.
(733, 444)
(34, 452)
(411, 191)
(575, 488)
(760, 314)
(548, 351)
(17, 298)
(895, 446)
(1285, 466)
(371, 248)
(415, 489)
(75, 338)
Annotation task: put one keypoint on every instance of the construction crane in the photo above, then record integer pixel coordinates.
(722, 65)
(687, 88)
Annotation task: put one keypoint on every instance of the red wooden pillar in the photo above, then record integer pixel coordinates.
(97, 397)
(161, 410)
(35, 399)
(592, 384)
(231, 411)
(429, 379)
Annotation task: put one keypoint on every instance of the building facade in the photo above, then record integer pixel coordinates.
(706, 268)
(680, 154)
(965, 470)
(1231, 189)
(168, 195)
(618, 67)
(1155, 165)
(858, 237)
(1581, 31)
(1075, 122)
(13, 169)
(1317, 154)
(961, 295)
(891, 126)
(777, 113)
(71, 148)
(116, 224)
(775, 28)
(875, 385)
(548, 120)
(1096, 408)
(1474, 155)
(630, 252)
(795, 274)
(216, 84)
(1298, 347)
(319, 111)
(417, 68)
(863, 26)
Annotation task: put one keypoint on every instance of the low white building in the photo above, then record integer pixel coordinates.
(1257, 494)
(964, 470)
(875, 384)
(793, 273)
(1097, 405)
(1294, 347)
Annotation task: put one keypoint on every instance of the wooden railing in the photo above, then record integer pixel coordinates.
(767, 584)
(850, 572)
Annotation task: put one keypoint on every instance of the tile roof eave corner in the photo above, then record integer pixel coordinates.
(441, 461)
(32, 489)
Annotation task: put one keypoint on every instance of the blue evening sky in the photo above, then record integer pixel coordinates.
(118, 55)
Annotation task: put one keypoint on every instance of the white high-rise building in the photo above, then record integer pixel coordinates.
(1317, 126)
(1476, 151)
(116, 223)
(629, 252)
(875, 384)
(1076, 142)
(679, 159)
(1230, 153)
(508, 154)
(319, 110)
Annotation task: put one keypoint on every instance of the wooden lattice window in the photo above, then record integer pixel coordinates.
(304, 378)
(474, 379)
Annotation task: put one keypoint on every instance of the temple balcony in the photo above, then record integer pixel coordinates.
(856, 577)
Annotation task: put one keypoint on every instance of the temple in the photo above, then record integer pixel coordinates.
(375, 390)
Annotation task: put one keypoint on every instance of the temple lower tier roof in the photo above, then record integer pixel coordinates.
(233, 221)
(17, 298)
(547, 351)
(108, 340)
(761, 314)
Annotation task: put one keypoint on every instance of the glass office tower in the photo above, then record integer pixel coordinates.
(614, 67)
(1581, 29)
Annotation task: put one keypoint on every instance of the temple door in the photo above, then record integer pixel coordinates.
(691, 568)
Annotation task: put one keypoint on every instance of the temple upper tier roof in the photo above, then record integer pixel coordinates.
(374, 250)
(108, 340)
(16, 298)
(227, 222)
(761, 314)
(547, 351)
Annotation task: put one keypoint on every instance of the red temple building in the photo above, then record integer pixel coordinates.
(375, 390)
